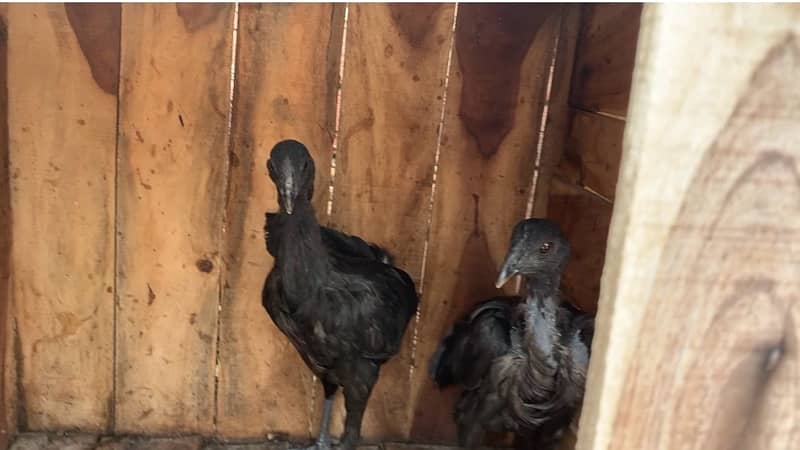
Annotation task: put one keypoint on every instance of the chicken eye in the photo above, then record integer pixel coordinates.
(545, 248)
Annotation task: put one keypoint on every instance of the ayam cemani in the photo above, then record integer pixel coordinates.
(521, 363)
(338, 299)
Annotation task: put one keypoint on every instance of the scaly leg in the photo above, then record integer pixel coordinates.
(324, 440)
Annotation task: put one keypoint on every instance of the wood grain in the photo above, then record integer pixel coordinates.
(391, 106)
(482, 189)
(264, 386)
(558, 111)
(172, 168)
(605, 55)
(6, 235)
(62, 153)
(698, 347)
(584, 219)
(587, 162)
(592, 152)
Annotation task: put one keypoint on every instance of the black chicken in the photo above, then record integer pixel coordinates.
(337, 298)
(521, 364)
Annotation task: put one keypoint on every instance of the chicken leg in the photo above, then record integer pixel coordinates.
(356, 396)
(324, 440)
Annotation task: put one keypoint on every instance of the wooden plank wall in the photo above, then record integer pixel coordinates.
(62, 114)
(395, 67)
(700, 304)
(486, 164)
(581, 194)
(264, 386)
(171, 182)
(6, 428)
(137, 211)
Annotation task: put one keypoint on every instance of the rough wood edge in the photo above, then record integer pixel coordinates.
(620, 223)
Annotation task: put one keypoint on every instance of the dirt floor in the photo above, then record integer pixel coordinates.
(44, 441)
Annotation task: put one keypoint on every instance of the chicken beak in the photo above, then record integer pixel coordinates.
(289, 191)
(506, 271)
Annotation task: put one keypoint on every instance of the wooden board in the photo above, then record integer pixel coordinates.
(584, 219)
(174, 103)
(62, 155)
(697, 346)
(395, 66)
(592, 152)
(604, 59)
(264, 386)
(5, 234)
(558, 111)
(485, 171)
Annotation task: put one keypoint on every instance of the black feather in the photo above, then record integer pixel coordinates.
(337, 298)
(520, 363)
(466, 353)
(336, 242)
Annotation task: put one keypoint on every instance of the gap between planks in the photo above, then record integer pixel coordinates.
(329, 210)
(599, 113)
(542, 131)
(227, 181)
(432, 198)
(543, 124)
(112, 407)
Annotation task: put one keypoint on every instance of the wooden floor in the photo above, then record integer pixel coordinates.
(82, 441)
(76, 441)
(44, 441)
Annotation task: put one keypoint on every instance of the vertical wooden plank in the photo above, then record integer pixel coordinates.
(606, 50)
(585, 176)
(584, 218)
(6, 231)
(697, 346)
(172, 173)
(394, 76)
(486, 166)
(63, 66)
(558, 118)
(286, 85)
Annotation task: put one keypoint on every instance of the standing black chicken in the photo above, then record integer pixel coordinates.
(521, 364)
(338, 299)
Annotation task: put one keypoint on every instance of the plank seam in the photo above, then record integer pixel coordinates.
(338, 107)
(598, 113)
(585, 188)
(431, 200)
(226, 194)
(548, 90)
(7, 312)
(112, 408)
(543, 120)
(332, 171)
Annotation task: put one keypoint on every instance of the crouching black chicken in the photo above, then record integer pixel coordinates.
(521, 363)
(338, 299)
